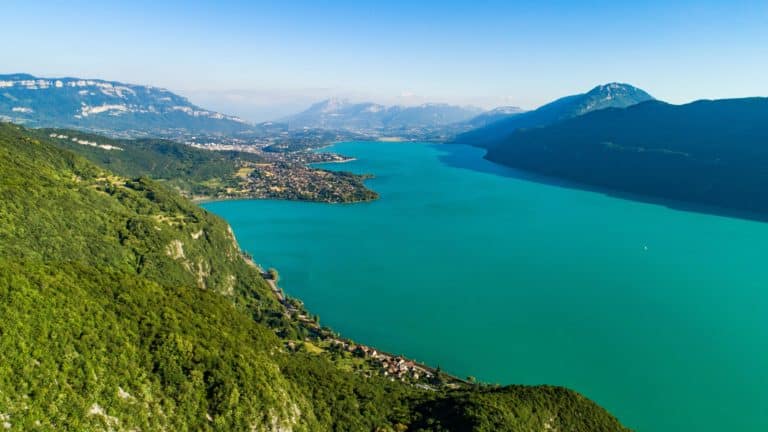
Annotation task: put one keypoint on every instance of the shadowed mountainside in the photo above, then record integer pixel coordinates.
(706, 153)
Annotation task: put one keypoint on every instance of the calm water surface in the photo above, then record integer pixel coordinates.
(659, 315)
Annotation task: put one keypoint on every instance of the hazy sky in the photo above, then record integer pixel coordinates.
(265, 59)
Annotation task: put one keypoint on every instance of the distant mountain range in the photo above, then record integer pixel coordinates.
(129, 110)
(613, 95)
(342, 114)
(493, 116)
(107, 106)
(707, 153)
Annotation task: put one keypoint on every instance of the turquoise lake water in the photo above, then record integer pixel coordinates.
(659, 315)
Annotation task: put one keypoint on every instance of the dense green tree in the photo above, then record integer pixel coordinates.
(126, 307)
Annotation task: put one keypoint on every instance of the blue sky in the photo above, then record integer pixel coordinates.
(264, 59)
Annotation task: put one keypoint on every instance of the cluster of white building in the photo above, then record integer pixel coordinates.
(85, 142)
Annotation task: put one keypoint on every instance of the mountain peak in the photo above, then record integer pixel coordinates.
(614, 89)
(610, 95)
(612, 86)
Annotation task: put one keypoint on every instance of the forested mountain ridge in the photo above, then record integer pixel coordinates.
(709, 153)
(126, 307)
(611, 95)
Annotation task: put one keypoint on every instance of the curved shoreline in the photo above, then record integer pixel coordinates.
(512, 171)
(406, 369)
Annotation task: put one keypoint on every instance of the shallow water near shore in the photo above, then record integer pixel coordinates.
(659, 315)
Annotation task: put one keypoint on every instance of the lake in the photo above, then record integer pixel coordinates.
(659, 315)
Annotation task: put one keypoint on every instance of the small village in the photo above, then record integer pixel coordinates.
(297, 181)
(395, 367)
(289, 175)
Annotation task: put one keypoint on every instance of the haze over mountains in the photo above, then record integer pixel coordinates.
(141, 234)
(493, 116)
(705, 152)
(131, 110)
(120, 109)
(342, 114)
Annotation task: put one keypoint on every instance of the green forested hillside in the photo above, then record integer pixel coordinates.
(126, 307)
(190, 170)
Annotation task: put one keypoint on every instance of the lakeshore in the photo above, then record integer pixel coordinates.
(562, 290)
(386, 364)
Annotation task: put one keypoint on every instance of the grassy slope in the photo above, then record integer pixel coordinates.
(125, 306)
(191, 170)
(210, 174)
